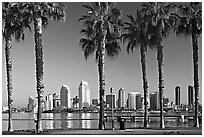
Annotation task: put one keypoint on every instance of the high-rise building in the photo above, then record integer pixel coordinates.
(65, 97)
(49, 102)
(94, 102)
(121, 98)
(30, 104)
(177, 95)
(109, 99)
(134, 100)
(56, 100)
(154, 101)
(190, 95)
(84, 94)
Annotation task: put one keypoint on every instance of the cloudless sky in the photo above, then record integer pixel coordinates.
(64, 62)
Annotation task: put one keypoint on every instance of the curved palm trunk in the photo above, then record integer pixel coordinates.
(145, 83)
(161, 82)
(39, 68)
(9, 82)
(196, 81)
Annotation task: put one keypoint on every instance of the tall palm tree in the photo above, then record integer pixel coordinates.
(102, 30)
(13, 25)
(137, 36)
(161, 24)
(189, 23)
(40, 13)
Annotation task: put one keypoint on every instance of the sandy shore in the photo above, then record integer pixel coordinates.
(138, 131)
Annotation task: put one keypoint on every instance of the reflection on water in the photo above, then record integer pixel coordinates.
(64, 121)
(49, 123)
(85, 123)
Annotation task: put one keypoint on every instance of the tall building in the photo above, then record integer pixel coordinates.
(94, 102)
(84, 94)
(190, 95)
(121, 98)
(30, 104)
(49, 102)
(134, 100)
(177, 95)
(56, 100)
(109, 99)
(154, 101)
(65, 97)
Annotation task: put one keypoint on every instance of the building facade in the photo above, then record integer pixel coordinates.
(154, 101)
(190, 96)
(56, 100)
(65, 97)
(121, 98)
(30, 104)
(109, 99)
(94, 102)
(84, 94)
(177, 95)
(49, 102)
(134, 100)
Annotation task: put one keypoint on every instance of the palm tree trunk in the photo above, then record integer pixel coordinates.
(101, 66)
(9, 82)
(39, 67)
(161, 82)
(145, 83)
(196, 81)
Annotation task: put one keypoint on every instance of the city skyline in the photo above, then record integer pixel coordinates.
(64, 63)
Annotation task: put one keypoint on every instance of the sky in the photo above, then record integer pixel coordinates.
(64, 63)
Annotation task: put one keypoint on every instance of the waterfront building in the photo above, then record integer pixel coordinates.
(121, 98)
(56, 100)
(190, 96)
(134, 100)
(84, 94)
(177, 95)
(109, 99)
(30, 104)
(49, 102)
(65, 97)
(154, 101)
(165, 101)
(94, 102)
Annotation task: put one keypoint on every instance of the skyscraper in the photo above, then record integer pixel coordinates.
(56, 100)
(49, 102)
(177, 95)
(30, 104)
(65, 97)
(190, 95)
(154, 101)
(109, 100)
(121, 98)
(84, 94)
(134, 100)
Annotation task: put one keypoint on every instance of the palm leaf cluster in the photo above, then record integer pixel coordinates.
(93, 28)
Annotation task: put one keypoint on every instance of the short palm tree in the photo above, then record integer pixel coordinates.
(40, 13)
(189, 23)
(161, 24)
(137, 36)
(13, 26)
(102, 31)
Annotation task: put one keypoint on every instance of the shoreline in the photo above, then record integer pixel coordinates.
(134, 131)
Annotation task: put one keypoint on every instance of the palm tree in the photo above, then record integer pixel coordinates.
(190, 24)
(14, 23)
(161, 24)
(102, 30)
(40, 13)
(137, 36)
